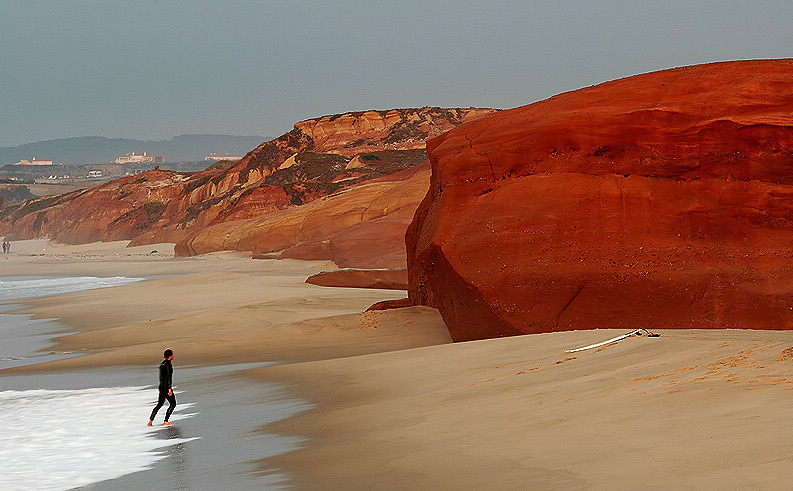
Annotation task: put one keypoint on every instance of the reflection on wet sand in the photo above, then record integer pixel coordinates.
(178, 458)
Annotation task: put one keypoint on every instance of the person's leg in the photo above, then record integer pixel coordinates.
(160, 402)
(171, 406)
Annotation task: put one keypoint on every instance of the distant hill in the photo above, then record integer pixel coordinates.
(98, 149)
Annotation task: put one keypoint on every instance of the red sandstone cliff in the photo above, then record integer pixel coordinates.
(659, 200)
(361, 227)
(319, 157)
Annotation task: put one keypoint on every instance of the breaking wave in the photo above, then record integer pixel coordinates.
(24, 288)
(61, 439)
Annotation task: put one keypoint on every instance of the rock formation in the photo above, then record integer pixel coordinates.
(390, 304)
(361, 227)
(659, 200)
(383, 279)
(318, 158)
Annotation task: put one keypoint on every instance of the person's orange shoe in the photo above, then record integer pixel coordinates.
(149, 423)
(166, 423)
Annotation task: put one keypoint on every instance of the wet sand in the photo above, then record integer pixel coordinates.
(399, 406)
(215, 412)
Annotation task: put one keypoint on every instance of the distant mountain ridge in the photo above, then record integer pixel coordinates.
(98, 149)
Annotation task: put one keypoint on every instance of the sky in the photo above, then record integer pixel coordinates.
(153, 69)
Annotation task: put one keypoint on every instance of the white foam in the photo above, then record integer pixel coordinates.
(61, 439)
(22, 288)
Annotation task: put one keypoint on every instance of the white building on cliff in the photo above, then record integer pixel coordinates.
(140, 158)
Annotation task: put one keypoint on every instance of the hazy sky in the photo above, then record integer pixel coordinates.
(157, 68)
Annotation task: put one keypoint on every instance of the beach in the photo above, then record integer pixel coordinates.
(385, 400)
(222, 314)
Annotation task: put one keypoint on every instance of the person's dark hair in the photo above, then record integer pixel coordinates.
(167, 353)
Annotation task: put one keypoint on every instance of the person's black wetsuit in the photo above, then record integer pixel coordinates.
(166, 384)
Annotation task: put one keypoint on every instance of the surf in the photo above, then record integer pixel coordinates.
(48, 443)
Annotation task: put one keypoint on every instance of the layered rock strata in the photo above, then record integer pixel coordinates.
(659, 200)
(361, 227)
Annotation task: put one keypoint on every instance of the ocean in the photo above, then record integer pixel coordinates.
(24, 340)
(61, 439)
(14, 288)
(63, 430)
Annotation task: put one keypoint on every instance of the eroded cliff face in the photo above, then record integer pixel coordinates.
(317, 158)
(660, 200)
(361, 227)
(396, 129)
(117, 208)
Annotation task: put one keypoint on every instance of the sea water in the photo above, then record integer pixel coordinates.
(47, 441)
(63, 430)
(24, 340)
(61, 439)
(26, 287)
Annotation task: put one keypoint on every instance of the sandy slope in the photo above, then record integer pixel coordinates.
(688, 410)
(401, 407)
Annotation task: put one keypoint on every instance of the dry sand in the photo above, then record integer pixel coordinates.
(688, 410)
(218, 308)
(400, 407)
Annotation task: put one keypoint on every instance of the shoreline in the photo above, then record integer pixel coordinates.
(212, 444)
(213, 311)
(396, 403)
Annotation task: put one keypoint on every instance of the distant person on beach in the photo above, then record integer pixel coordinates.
(165, 388)
(8, 246)
(5, 247)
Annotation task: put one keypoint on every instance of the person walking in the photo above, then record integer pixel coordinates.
(5, 247)
(165, 389)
